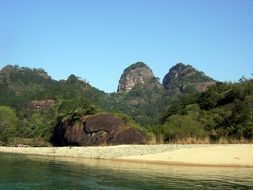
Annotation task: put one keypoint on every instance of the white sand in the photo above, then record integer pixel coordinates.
(210, 155)
(219, 155)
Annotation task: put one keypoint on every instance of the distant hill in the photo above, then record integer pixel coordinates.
(21, 84)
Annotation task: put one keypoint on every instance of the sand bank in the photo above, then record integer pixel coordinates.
(219, 155)
(207, 155)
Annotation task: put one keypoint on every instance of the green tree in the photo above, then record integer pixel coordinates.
(182, 126)
(8, 123)
(209, 99)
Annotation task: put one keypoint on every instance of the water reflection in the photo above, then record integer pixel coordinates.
(220, 175)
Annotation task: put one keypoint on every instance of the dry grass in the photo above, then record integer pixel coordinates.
(234, 141)
(191, 140)
(206, 140)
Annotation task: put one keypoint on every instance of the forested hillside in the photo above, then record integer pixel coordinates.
(36, 102)
(189, 105)
(221, 114)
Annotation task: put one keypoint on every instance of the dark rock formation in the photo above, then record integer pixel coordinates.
(186, 78)
(103, 129)
(136, 74)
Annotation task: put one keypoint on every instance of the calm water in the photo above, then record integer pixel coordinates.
(22, 172)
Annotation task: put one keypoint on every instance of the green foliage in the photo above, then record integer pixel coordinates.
(181, 126)
(180, 106)
(223, 111)
(8, 123)
(36, 123)
(74, 109)
(209, 99)
(128, 120)
(136, 65)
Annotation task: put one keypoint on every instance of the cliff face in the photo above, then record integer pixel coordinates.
(138, 73)
(185, 78)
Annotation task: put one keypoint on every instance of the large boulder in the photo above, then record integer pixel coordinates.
(103, 129)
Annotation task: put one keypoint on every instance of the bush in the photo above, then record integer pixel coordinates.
(182, 126)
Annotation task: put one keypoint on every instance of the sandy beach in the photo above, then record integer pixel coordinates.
(237, 155)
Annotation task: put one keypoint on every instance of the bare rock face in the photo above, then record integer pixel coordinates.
(41, 104)
(185, 78)
(138, 73)
(103, 129)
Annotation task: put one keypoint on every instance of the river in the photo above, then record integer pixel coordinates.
(29, 172)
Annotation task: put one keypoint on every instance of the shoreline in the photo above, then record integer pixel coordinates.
(211, 155)
(190, 164)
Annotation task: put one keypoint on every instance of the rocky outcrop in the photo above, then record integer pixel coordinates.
(41, 104)
(103, 129)
(136, 74)
(185, 78)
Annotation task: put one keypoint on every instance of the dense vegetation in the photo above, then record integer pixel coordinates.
(223, 113)
(32, 104)
(35, 103)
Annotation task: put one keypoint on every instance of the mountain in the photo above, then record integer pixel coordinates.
(146, 98)
(137, 74)
(33, 106)
(141, 93)
(184, 78)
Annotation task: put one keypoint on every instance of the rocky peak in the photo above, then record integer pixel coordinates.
(138, 73)
(183, 76)
(7, 69)
(10, 71)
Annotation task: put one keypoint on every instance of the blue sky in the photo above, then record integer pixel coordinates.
(97, 39)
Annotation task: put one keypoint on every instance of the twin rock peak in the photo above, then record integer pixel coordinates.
(179, 77)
